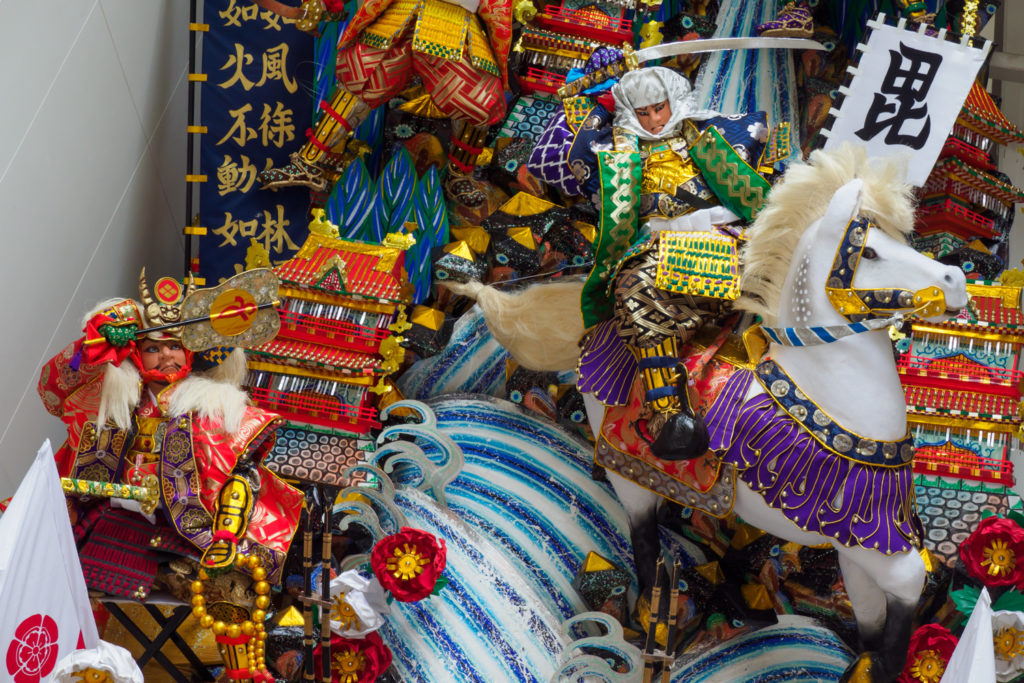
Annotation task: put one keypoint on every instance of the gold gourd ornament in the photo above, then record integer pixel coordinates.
(255, 648)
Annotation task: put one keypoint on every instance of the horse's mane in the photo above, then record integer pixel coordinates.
(800, 199)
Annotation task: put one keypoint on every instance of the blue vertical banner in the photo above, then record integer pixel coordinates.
(256, 107)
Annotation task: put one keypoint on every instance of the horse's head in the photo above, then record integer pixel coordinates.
(830, 248)
(848, 269)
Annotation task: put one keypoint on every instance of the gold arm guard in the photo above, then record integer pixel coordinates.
(234, 507)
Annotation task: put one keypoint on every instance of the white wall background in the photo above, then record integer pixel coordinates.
(92, 167)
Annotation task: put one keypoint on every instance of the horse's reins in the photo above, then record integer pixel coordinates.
(825, 334)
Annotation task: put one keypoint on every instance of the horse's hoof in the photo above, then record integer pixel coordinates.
(867, 668)
(683, 437)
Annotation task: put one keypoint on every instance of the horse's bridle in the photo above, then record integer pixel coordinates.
(857, 305)
(866, 309)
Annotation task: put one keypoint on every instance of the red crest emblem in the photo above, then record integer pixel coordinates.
(32, 653)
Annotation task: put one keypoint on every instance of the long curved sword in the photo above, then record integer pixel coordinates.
(689, 47)
(633, 59)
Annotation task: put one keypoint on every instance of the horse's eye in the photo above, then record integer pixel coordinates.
(869, 253)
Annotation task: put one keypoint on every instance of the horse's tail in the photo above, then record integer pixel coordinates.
(540, 325)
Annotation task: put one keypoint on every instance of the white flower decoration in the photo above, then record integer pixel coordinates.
(758, 131)
(113, 660)
(1008, 639)
(359, 605)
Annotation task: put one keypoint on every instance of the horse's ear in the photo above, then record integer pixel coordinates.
(844, 207)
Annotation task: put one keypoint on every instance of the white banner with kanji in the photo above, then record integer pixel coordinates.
(906, 92)
(44, 604)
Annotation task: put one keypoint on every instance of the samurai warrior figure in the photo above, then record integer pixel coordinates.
(147, 411)
(673, 187)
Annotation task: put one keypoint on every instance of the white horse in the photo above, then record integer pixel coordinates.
(807, 293)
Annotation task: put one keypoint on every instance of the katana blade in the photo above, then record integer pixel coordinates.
(691, 47)
(632, 59)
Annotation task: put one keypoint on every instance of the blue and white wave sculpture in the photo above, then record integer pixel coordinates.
(797, 650)
(512, 495)
(471, 362)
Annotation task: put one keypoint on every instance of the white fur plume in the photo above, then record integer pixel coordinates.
(103, 305)
(208, 398)
(540, 325)
(120, 394)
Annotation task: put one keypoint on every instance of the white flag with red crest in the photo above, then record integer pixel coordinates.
(44, 604)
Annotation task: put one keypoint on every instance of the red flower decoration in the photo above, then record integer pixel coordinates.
(355, 660)
(32, 653)
(994, 553)
(334, 5)
(408, 563)
(931, 646)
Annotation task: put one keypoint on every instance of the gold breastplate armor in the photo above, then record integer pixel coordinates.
(666, 165)
(148, 439)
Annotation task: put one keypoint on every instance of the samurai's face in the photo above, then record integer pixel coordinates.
(166, 356)
(653, 117)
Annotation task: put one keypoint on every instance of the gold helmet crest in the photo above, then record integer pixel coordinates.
(162, 306)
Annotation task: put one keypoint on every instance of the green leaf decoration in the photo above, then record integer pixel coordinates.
(1012, 601)
(377, 226)
(325, 50)
(351, 201)
(431, 210)
(431, 217)
(371, 131)
(442, 581)
(1017, 516)
(397, 189)
(965, 599)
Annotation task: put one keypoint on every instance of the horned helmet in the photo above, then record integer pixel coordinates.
(162, 306)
